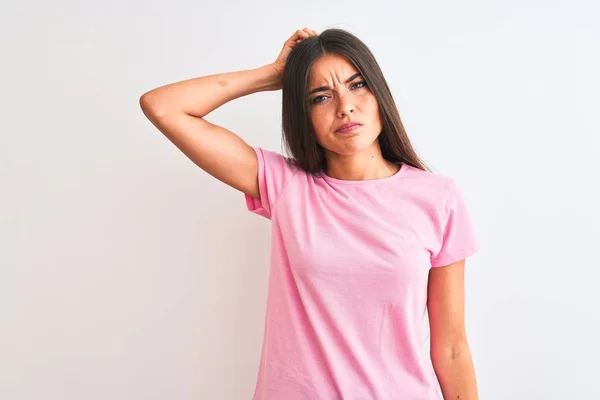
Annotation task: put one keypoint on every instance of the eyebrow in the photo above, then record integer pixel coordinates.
(323, 88)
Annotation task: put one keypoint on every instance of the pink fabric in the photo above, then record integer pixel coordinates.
(348, 277)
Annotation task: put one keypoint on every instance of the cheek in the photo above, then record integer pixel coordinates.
(316, 122)
(321, 119)
(373, 109)
(370, 103)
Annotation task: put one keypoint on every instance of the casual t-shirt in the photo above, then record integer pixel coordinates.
(347, 290)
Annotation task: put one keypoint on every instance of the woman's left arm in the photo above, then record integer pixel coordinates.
(449, 349)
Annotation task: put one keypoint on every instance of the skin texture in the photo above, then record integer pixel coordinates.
(355, 155)
(449, 350)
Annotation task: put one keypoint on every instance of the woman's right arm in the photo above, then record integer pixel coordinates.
(177, 110)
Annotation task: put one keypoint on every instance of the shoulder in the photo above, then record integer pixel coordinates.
(434, 185)
(275, 158)
(275, 172)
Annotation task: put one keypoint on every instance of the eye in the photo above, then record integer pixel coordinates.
(314, 100)
(362, 84)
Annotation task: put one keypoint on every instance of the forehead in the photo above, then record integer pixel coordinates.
(331, 66)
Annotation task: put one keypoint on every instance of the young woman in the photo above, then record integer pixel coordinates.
(365, 237)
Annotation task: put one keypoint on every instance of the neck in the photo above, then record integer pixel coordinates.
(365, 165)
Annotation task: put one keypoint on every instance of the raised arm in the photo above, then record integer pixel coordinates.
(178, 111)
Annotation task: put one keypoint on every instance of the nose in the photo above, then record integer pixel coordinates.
(345, 105)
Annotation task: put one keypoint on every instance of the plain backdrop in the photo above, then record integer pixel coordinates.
(129, 273)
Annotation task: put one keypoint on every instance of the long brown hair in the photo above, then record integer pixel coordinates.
(298, 133)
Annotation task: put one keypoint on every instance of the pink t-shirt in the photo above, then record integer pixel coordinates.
(347, 287)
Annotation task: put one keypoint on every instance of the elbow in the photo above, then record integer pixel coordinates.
(450, 352)
(147, 101)
(150, 105)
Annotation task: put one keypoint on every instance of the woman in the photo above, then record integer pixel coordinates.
(365, 238)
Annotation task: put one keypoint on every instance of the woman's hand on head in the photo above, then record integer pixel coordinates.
(298, 36)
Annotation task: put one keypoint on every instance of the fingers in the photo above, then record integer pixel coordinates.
(310, 32)
(302, 34)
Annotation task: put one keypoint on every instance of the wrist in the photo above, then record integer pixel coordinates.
(270, 77)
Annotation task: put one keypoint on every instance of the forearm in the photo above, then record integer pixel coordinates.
(456, 374)
(199, 96)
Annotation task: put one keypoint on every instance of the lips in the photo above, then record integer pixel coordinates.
(348, 127)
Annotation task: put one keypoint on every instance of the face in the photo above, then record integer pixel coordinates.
(337, 95)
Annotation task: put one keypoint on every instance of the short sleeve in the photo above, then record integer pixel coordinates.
(274, 173)
(458, 240)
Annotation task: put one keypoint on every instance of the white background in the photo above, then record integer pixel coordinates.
(129, 273)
